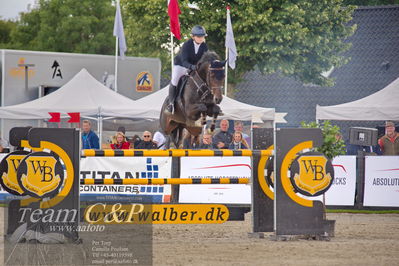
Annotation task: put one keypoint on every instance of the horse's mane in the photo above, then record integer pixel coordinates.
(208, 57)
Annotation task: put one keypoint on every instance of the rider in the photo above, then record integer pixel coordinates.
(186, 59)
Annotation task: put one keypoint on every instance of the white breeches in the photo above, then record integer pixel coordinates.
(177, 73)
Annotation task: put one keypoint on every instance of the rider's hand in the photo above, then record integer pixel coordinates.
(193, 67)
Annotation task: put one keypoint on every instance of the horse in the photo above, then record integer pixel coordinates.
(198, 99)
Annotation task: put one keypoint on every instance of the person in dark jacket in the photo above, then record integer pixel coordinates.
(146, 142)
(187, 58)
(238, 143)
(89, 138)
(223, 138)
(206, 142)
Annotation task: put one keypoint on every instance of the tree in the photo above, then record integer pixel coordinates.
(333, 144)
(301, 39)
(67, 26)
(6, 27)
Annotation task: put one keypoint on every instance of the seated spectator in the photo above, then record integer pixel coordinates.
(223, 138)
(123, 130)
(146, 142)
(238, 143)
(190, 141)
(119, 142)
(389, 143)
(206, 142)
(239, 126)
(89, 138)
(160, 140)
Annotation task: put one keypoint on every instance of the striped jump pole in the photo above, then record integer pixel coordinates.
(164, 181)
(174, 153)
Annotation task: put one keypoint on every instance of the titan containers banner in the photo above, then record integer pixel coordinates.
(215, 167)
(125, 167)
(381, 185)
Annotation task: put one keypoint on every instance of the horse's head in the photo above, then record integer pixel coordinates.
(211, 70)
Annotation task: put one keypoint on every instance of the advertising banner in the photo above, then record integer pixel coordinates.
(215, 167)
(381, 185)
(125, 167)
(342, 191)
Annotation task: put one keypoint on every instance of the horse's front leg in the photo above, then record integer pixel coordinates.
(214, 111)
(194, 111)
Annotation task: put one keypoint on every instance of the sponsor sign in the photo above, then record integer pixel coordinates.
(156, 214)
(144, 82)
(342, 190)
(125, 167)
(381, 184)
(215, 167)
(311, 174)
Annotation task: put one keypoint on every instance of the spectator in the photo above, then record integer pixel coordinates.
(223, 138)
(206, 142)
(239, 126)
(146, 142)
(123, 130)
(119, 142)
(190, 141)
(89, 138)
(238, 142)
(389, 143)
(160, 140)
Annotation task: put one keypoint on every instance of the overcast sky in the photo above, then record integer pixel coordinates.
(9, 9)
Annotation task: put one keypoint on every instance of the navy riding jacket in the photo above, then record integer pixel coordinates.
(187, 56)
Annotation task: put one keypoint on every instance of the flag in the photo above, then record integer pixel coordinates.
(55, 117)
(118, 31)
(174, 12)
(230, 43)
(74, 118)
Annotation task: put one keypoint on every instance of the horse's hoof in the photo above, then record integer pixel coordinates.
(220, 113)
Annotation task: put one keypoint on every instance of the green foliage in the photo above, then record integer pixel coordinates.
(296, 38)
(333, 144)
(6, 26)
(67, 26)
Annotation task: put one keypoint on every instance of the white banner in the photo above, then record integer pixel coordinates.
(215, 167)
(125, 167)
(381, 185)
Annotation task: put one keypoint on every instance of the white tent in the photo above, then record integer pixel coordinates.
(150, 106)
(83, 93)
(382, 105)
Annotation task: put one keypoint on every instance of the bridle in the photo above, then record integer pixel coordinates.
(203, 88)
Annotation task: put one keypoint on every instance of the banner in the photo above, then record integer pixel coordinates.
(215, 167)
(381, 184)
(342, 191)
(125, 167)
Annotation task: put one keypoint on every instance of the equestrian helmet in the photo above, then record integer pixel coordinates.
(198, 31)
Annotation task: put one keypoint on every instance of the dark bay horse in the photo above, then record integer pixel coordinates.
(200, 98)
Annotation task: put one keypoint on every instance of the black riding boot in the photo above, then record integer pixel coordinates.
(172, 97)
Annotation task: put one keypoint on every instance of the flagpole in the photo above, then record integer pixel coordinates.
(226, 70)
(116, 64)
(171, 51)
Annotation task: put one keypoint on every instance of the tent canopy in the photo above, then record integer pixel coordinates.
(150, 106)
(83, 93)
(382, 105)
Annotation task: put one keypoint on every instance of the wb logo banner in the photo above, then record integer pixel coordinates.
(311, 174)
(40, 175)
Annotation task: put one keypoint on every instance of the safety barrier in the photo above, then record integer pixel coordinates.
(164, 181)
(174, 153)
